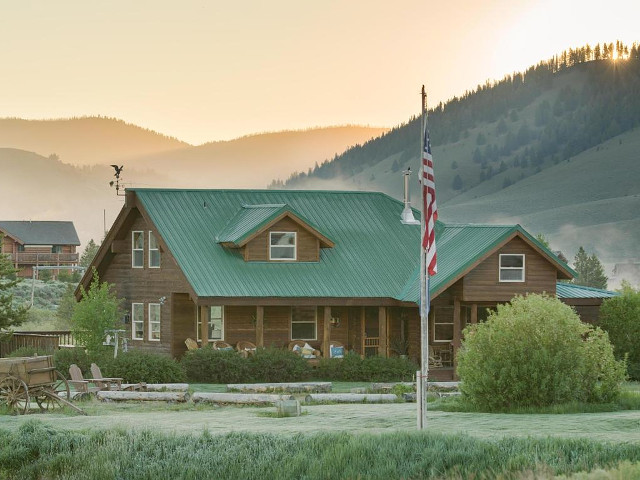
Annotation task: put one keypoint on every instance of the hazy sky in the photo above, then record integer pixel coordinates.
(211, 70)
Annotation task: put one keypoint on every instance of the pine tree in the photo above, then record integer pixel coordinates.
(590, 270)
(89, 253)
(457, 183)
(10, 314)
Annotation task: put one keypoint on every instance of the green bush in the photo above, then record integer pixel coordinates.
(30, 352)
(207, 365)
(535, 351)
(353, 368)
(137, 366)
(64, 357)
(620, 318)
(277, 365)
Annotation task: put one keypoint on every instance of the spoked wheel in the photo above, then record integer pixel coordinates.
(50, 396)
(14, 394)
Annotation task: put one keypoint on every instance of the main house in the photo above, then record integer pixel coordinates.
(31, 244)
(274, 266)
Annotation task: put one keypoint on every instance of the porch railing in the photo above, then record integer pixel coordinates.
(38, 258)
(47, 341)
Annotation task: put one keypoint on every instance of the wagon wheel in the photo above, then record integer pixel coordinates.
(14, 393)
(49, 395)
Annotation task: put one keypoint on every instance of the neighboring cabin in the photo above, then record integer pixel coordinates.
(273, 266)
(39, 243)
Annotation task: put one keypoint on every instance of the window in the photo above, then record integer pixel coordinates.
(137, 321)
(56, 249)
(282, 245)
(511, 268)
(443, 324)
(304, 323)
(154, 322)
(216, 323)
(137, 249)
(154, 252)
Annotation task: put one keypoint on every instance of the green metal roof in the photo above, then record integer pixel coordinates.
(374, 256)
(41, 232)
(250, 219)
(571, 290)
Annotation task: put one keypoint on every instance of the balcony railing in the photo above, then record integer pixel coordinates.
(40, 258)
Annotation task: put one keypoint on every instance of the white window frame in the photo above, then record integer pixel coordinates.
(199, 324)
(501, 268)
(150, 323)
(436, 323)
(157, 249)
(133, 321)
(295, 247)
(134, 249)
(315, 325)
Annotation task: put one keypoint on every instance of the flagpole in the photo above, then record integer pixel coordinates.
(421, 381)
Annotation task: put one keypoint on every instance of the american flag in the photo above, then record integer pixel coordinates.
(429, 208)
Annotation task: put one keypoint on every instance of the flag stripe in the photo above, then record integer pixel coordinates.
(429, 207)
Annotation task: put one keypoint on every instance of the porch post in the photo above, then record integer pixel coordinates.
(204, 325)
(382, 328)
(457, 334)
(259, 326)
(474, 314)
(326, 332)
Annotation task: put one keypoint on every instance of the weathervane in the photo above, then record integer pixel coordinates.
(118, 170)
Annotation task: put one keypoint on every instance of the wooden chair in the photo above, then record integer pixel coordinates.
(106, 383)
(220, 345)
(246, 348)
(79, 383)
(191, 344)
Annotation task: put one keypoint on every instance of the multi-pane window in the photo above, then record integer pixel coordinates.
(282, 245)
(137, 249)
(443, 324)
(216, 323)
(137, 321)
(512, 268)
(154, 251)
(154, 322)
(304, 323)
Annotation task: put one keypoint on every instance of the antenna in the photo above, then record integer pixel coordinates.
(118, 170)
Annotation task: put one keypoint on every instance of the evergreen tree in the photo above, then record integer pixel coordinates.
(88, 253)
(10, 314)
(457, 183)
(590, 270)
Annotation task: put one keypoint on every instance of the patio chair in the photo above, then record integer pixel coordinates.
(191, 344)
(220, 345)
(298, 347)
(106, 383)
(79, 383)
(245, 348)
(336, 349)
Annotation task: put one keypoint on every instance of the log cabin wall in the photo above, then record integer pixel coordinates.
(482, 283)
(307, 248)
(146, 285)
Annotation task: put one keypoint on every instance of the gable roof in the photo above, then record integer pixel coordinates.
(374, 256)
(41, 232)
(461, 247)
(254, 219)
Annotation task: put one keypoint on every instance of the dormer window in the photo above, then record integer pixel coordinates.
(512, 268)
(282, 246)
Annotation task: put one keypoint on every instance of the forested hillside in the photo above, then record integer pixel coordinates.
(565, 130)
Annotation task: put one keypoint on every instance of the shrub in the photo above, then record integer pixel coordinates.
(536, 352)
(207, 365)
(137, 366)
(276, 365)
(620, 317)
(30, 352)
(369, 369)
(64, 357)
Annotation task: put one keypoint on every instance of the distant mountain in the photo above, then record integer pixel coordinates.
(555, 148)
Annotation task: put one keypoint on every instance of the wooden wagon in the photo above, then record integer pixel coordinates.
(27, 379)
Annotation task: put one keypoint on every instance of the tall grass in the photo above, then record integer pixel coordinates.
(37, 451)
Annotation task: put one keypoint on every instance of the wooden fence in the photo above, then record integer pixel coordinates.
(47, 341)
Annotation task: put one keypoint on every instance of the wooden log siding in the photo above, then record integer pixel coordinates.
(307, 244)
(147, 285)
(482, 283)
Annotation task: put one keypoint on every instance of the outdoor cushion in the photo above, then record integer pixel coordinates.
(308, 350)
(226, 348)
(337, 352)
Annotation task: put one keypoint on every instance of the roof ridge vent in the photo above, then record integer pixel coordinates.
(265, 205)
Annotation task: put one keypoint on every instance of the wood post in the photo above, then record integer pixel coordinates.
(204, 325)
(382, 329)
(457, 334)
(474, 314)
(259, 326)
(326, 332)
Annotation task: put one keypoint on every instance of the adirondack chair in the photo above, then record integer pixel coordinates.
(191, 344)
(107, 383)
(79, 383)
(246, 348)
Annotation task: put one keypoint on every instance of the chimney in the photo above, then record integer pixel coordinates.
(407, 213)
